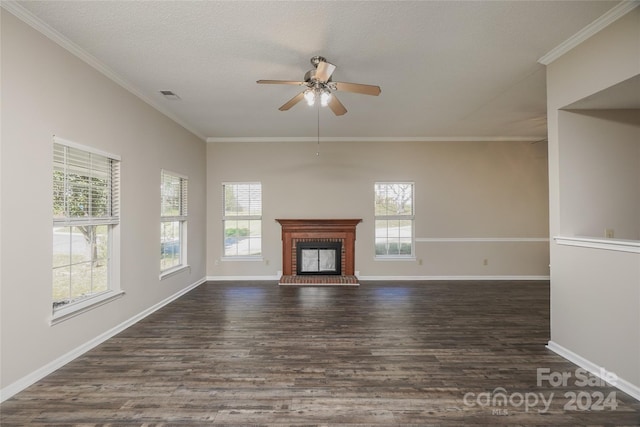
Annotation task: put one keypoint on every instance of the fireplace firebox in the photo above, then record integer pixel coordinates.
(319, 258)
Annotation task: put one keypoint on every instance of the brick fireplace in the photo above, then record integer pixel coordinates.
(296, 231)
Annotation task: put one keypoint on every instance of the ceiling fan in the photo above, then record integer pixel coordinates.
(320, 86)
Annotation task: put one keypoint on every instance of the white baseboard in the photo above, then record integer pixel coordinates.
(427, 278)
(599, 371)
(35, 376)
(242, 278)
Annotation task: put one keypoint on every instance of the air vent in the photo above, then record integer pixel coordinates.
(170, 95)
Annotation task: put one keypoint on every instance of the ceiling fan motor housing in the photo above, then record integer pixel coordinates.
(316, 60)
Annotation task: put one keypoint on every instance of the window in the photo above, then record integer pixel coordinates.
(173, 221)
(242, 219)
(394, 219)
(85, 214)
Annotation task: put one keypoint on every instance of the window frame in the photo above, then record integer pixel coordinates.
(77, 305)
(408, 217)
(225, 218)
(181, 219)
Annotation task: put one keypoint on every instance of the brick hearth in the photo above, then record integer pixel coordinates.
(324, 280)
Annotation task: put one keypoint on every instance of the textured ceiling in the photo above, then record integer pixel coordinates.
(446, 69)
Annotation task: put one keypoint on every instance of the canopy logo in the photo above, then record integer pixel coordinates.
(500, 401)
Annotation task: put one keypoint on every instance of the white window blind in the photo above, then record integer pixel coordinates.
(174, 190)
(85, 186)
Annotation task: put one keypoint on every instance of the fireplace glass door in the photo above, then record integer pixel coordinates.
(319, 258)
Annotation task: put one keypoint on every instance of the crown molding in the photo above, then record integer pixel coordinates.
(381, 139)
(36, 23)
(602, 22)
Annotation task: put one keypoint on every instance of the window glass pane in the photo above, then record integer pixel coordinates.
(80, 262)
(394, 199)
(405, 228)
(382, 235)
(80, 280)
(405, 246)
(381, 200)
(242, 199)
(82, 244)
(242, 238)
(61, 284)
(255, 228)
(254, 242)
(100, 279)
(61, 246)
(102, 243)
(231, 237)
(170, 245)
(253, 246)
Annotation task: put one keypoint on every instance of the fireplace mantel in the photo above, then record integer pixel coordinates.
(293, 230)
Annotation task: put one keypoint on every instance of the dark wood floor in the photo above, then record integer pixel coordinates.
(429, 353)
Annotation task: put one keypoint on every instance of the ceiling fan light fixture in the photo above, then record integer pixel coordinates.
(325, 96)
(310, 97)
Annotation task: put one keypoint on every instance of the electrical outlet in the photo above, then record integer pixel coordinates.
(266, 262)
(420, 261)
(485, 262)
(608, 233)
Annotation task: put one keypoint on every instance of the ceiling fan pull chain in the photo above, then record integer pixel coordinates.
(318, 148)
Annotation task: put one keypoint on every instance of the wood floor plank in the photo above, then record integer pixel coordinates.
(255, 353)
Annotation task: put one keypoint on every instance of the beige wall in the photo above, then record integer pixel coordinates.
(595, 292)
(47, 91)
(464, 190)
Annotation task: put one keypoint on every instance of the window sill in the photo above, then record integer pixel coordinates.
(395, 258)
(173, 271)
(256, 258)
(74, 309)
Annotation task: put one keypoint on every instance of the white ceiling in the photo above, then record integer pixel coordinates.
(446, 68)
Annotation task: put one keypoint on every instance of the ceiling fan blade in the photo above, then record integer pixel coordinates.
(279, 82)
(293, 101)
(358, 88)
(336, 106)
(324, 71)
